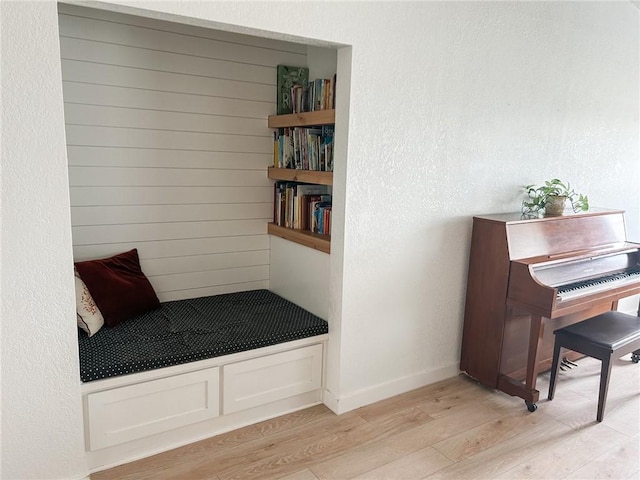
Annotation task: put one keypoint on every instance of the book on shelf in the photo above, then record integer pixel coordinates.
(287, 78)
(304, 148)
(327, 147)
(320, 94)
(275, 148)
(322, 218)
(296, 204)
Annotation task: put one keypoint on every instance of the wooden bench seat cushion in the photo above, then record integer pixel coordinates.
(185, 331)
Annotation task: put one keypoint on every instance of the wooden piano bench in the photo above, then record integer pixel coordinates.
(605, 337)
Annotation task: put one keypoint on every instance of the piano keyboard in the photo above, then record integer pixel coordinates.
(576, 289)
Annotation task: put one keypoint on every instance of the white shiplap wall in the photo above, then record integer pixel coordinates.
(168, 146)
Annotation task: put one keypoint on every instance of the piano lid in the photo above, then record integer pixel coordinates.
(531, 237)
(518, 217)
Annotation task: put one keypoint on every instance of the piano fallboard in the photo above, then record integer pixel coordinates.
(552, 285)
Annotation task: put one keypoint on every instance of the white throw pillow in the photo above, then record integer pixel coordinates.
(90, 318)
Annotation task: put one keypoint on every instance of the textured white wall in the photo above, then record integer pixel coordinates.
(41, 406)
(453, 106)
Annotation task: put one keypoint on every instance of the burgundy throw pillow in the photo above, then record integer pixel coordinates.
(118, 286)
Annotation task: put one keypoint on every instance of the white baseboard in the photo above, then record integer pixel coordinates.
(367, 396)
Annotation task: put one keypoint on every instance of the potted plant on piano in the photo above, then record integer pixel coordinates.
(551, 198)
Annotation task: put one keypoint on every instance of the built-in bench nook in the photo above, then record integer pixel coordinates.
(196, 367)
(160, 374)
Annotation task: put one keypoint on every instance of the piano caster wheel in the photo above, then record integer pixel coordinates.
(635, 357)
(532, 407)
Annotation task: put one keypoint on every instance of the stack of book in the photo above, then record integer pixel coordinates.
(295, 94)
(303, 206)
(304, 148)
(319, 95)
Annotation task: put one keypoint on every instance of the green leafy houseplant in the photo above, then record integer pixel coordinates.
(552, 197)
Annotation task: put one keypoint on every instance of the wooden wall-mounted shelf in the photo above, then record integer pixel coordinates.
(302, 176)
(305, 119)
(303, 237)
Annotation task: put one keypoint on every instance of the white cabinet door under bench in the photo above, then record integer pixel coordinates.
(274, 377)
(138, 415)
(137, 411)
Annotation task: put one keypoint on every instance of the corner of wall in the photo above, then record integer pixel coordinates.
(382, 391)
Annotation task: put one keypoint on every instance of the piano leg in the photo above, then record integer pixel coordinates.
(535, 345)
(527, 390)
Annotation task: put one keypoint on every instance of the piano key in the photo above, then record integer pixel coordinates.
(577, 289)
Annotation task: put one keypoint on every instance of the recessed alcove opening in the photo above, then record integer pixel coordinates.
(168, 148)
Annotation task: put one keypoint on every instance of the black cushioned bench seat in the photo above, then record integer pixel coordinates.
(185, 331)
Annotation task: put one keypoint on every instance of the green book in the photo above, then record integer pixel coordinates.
(287, 78)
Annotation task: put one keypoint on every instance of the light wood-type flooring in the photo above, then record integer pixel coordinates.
(455, 429)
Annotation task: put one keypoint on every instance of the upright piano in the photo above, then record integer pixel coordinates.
(528, 277)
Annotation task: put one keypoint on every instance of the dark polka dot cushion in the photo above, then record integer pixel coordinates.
(184, 331)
